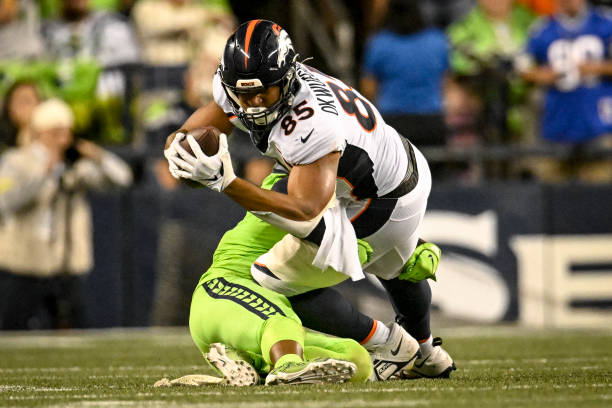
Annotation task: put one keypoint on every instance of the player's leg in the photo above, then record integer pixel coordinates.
(287, 268)
(391, 227)
(261, 325)
(319, 345)
(393, 245)
(391, 348)
(313, 308)
(238, 313)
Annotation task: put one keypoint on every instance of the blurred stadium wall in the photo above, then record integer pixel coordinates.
(536, 254)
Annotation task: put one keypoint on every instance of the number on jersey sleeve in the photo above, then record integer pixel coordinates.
(352, 103)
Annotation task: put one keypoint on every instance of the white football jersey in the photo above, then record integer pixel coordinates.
(329, 116)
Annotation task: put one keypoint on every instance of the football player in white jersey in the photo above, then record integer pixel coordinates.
(334, 144)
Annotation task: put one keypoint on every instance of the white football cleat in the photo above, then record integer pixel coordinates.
(315, 371)
(399, 352)
(234, 370)
(437, 364)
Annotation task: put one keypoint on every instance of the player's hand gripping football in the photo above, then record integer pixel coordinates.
(215, 172)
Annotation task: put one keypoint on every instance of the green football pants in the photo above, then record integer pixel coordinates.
(251, 319)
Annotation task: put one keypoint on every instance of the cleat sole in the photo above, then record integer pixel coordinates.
(328, 371)
(237, 373)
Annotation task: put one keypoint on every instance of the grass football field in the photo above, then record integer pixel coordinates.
(497, 367)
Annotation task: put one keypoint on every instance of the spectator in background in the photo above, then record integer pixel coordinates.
(83, 33)
(403, 72)
(19, 30)
(191, 34)
(51, 8)
(45, 221)
(484, 44)
(188, 29)
(82, 40)
(494, 30)
(442, 13)
(18, 104)
(569, 55)
(540, 7)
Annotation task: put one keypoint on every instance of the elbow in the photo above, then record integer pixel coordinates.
(305, 215)
(309, 211)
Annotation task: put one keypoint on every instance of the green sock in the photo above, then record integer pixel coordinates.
(278, 328)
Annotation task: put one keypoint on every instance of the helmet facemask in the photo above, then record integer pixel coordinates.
(261, 119)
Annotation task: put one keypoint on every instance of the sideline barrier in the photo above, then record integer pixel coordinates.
(538, 254)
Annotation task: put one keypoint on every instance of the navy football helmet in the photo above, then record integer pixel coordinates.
(257, 56)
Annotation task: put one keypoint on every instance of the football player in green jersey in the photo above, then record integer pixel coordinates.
(245, 330)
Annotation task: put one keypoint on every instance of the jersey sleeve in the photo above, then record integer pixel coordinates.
(311, 140)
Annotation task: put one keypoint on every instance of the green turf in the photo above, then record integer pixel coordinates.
(497, 367)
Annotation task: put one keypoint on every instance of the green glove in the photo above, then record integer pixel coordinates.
(365, 251)
(422, 264)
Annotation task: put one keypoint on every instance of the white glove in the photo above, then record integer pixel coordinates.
(215, 172)
(171, 152)
(227, 170)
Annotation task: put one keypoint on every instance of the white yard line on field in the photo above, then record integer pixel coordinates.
(161, 368)
(196, 368)
(346, 402)
(514, 361)
(36, 389)
(353, 403)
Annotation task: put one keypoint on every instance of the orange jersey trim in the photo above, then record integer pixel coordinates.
(365, 207)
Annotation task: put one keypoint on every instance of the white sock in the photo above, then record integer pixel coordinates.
(426, 346)
(378, 335)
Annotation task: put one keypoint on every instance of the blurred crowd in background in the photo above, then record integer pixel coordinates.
(467, 81)
(443, 72)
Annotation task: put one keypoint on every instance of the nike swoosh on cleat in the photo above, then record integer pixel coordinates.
(394, 352)
(305, 139)
(422, 362)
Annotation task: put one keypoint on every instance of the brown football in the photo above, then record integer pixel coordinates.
(207, 137)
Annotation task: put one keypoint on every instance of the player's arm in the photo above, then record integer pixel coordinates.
(208, 115)
(540, 75)
(530, 69)
(310, 188)
(597, 68)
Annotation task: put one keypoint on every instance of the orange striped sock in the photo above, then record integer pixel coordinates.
(426, 345)
(378, 334)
